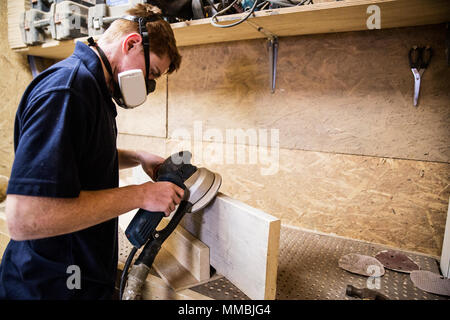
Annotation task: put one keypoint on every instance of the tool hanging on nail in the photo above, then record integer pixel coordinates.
(273, 55)
(419, 59)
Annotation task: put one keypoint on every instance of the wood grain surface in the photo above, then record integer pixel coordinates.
(15, 76)
(148, 119)
(345, 93)
(400, 203)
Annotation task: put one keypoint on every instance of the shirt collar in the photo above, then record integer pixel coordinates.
(94, 65)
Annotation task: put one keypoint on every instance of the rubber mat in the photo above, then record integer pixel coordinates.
(308, 269)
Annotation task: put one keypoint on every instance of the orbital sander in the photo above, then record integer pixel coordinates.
(200, 187)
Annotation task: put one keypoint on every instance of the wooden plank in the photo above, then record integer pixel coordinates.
(243, 244)
(445, 256)
(310, 19)
(15, 9)
(156, 289)
(313, 19)
(53, 49)
(174, 273)
(190, 252)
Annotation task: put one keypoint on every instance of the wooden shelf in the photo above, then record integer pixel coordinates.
(326, 17)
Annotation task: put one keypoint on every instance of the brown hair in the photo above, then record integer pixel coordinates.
(162, 39)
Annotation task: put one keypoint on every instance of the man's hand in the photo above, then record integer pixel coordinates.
(150, 163)
(161, 197)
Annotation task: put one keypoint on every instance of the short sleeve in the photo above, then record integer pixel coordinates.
(48, 147)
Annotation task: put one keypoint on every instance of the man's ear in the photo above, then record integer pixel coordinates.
(131, 41)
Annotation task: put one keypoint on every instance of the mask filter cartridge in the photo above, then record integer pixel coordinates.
(133, 88)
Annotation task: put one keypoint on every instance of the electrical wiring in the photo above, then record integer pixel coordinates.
(260, 5)
(214, 19)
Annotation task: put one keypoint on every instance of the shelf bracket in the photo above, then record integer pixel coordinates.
(272, 43)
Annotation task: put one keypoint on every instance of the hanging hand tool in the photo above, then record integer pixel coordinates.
(273, 55)
(419, 59)
(201, 187)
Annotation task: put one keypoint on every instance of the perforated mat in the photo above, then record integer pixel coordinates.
(308, 270)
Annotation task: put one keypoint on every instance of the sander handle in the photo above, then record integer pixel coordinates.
(142, 226)
(145, 222)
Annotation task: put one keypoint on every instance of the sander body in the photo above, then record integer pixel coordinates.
(200, 188)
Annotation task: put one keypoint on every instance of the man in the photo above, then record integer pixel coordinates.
(63, 198)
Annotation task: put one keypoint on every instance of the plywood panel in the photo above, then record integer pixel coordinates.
(346, 93)
(3, 225)
(4, 234)
(400, 203)
(148, 119)
(15, 76)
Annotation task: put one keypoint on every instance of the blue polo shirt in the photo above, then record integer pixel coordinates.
(65, 142)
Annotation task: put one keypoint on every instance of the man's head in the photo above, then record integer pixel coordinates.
(123, 44)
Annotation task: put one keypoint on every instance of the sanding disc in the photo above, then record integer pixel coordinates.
(363, 265)
(396, 261)
(431, 282)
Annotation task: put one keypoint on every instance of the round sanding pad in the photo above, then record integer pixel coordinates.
(363, 265)
(431, 282)
(396, 261)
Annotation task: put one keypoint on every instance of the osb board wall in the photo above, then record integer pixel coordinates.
(15, 76)
(347, 93)
(150, 118)
(356, 158)
(401, 203)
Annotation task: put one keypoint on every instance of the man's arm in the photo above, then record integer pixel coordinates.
(128, 158)
(132, 158)
(31, 217)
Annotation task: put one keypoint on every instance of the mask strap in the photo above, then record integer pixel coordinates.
(150, 84)
(144, 34)
(92, 43)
